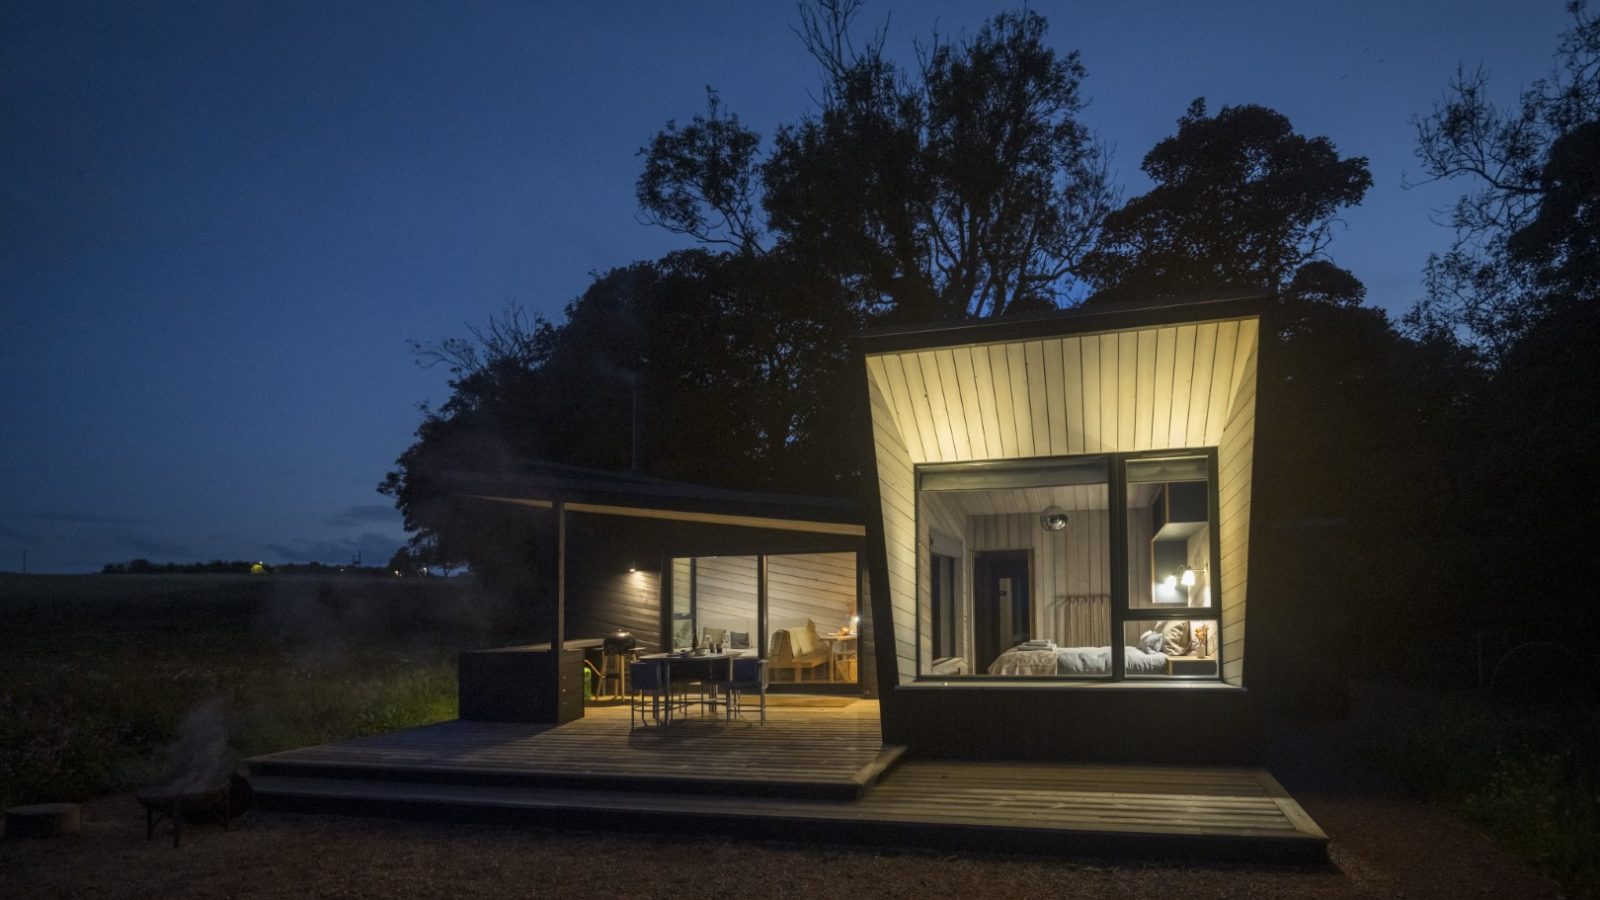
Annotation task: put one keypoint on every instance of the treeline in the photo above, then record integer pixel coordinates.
(239, 567)
(1449, 453)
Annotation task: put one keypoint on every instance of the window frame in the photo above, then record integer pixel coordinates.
(1122, 612)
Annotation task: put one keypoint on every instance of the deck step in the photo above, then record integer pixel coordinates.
(813, 788)
(1123, 826)
(837, 788)
(801, 752)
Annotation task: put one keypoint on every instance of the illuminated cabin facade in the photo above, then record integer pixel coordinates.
(1059, 539)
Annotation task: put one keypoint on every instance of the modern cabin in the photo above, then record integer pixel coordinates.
(1059, 541)
(1048, 588)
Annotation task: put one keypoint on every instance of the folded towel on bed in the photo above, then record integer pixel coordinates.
(1037, 645)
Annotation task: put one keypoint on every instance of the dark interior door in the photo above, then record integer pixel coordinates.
(1001, 612)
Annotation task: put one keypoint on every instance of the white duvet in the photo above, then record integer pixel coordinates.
(1075, 661)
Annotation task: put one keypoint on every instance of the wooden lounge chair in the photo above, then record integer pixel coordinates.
(798, 652)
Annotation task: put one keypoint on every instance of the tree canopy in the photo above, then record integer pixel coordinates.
(1519, 290)
(966, 188)
(1240, 200)
(1524, 171)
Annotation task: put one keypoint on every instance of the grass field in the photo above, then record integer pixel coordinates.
(98, 672)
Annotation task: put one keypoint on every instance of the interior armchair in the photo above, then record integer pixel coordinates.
(798, 652)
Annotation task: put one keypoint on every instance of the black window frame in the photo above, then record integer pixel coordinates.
(1122, 612)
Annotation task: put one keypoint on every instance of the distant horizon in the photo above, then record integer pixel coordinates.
(220, 225)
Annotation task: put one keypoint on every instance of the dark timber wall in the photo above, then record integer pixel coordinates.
(1103, 723)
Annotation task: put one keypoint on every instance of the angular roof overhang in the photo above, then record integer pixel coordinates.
(1087, 319)
(542, 485)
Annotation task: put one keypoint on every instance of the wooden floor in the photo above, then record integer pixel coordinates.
(802, 751)
(810, 774)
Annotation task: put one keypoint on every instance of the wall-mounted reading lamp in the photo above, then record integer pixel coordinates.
(1169, 586)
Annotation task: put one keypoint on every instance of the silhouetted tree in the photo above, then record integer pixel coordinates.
(1479, 289)
(967, 189)
(1240, 199)
(1517, 293)
(738, 360)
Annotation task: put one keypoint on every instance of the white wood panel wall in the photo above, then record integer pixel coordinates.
(820, 587)
(1071, 563)
(896, 496)
(725, 595)
(1149, 389)
(1235, 462)
(1182, 386)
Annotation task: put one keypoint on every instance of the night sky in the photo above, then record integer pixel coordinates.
(221, 222)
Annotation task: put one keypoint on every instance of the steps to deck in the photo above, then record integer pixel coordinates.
(920, 805)
(809, 774)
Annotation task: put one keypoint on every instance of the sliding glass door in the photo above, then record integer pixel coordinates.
(797, 610)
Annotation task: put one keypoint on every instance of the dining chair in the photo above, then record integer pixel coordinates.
(648, 678)
(746, 673)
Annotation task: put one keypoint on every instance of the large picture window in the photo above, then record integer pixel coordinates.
(1093, 567)
(799, 611)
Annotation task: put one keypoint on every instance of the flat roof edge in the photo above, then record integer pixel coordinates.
(1074, 320)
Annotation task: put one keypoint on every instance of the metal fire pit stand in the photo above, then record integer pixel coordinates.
(168, 802)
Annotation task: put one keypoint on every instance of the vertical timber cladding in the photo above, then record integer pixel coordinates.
(1180, 386)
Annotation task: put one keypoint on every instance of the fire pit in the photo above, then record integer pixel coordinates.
(196, 802)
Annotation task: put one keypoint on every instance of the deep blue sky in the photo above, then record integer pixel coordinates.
(220, 222)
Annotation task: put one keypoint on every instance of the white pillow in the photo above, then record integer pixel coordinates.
(801, 641)
(1150, 642)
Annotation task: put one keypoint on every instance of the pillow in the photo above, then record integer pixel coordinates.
(738, 640)
(1175, 638)
(1150, 642)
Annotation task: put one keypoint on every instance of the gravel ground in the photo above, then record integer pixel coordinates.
(1382, 847)
(1383, 844)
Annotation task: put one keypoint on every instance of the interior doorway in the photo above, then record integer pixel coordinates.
(1001, 608)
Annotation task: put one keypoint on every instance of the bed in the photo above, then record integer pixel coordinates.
(1161, 645)
(1052, 660)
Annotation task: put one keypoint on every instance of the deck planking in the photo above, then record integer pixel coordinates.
(830, 752)
(1212, 814)
(811, 773)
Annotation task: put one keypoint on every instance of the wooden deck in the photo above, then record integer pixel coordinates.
(809, 774)
(825, 752)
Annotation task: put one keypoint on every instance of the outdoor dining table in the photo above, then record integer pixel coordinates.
(710, 668)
